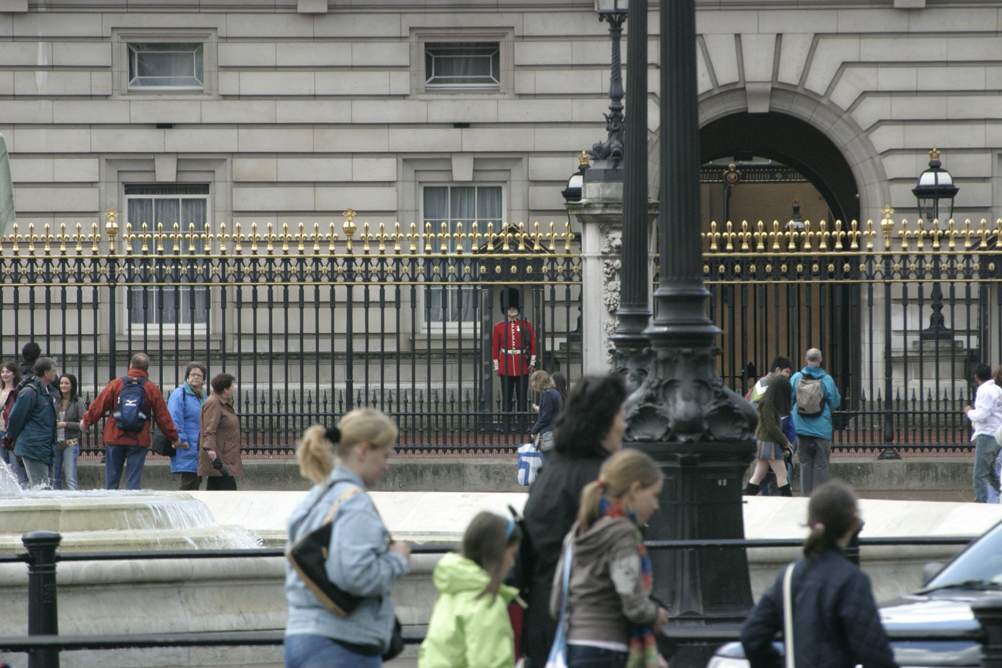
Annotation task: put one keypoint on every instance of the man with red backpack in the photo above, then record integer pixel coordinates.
(132, 402)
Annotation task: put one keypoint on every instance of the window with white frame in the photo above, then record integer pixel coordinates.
(462, 65)
(180, 303)
(166, 65)
(451, 205)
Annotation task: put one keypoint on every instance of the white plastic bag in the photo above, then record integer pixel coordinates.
(529, 461)
(558, 651)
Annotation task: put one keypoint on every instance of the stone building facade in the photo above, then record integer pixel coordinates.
(290, 111)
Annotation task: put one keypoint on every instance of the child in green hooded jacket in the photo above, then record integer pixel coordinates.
(469, 626)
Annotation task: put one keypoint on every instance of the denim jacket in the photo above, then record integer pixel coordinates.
(359, 562)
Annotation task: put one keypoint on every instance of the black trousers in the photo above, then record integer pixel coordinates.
(514, 393)
(220, 483)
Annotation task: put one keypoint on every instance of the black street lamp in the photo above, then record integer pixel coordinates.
(935, 191)
(572, 193)
(609, 154)
(699, 431)
(630, 356)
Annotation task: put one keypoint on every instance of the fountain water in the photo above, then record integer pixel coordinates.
(112, 520)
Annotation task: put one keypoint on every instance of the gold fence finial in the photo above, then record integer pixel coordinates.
(111, 227)
(349, 227)
(887, 225)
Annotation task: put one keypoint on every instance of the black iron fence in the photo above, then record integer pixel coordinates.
(902, 313)
(312, 323)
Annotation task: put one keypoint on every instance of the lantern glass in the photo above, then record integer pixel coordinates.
(611, 6)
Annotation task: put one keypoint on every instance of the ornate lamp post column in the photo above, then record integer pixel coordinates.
(630, 356)
(609, 154)
(700, 431)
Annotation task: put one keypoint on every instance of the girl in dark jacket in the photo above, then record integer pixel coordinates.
(585, 433)
(771, 437)
(835, 621)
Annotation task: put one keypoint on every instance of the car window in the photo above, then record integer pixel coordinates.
(981, 561)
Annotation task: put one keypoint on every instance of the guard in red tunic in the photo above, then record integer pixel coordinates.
(514, 345)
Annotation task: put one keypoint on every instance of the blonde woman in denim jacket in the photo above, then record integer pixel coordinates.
(362, 559)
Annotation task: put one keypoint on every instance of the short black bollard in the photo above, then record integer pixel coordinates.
(988, 612)
(43, 615)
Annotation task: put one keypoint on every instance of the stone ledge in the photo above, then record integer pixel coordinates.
(934, 474)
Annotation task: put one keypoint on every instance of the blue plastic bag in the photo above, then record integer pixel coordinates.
(529, 461)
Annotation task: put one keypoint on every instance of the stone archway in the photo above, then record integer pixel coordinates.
(821, 141)
(792, 142)
(806, 119)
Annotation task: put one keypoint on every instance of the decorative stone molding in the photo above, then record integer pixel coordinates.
(611, 251)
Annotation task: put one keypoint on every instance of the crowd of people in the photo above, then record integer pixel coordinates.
(576, 561)
(43, 418)
(794, 417)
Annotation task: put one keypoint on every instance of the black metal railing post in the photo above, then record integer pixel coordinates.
(989, 614)
(43, 616)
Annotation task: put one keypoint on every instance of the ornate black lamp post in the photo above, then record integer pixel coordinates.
(609, 154)
(630, 356)
(935, 193)
(700, 431)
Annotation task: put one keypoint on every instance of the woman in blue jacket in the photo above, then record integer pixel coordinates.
(185, 407)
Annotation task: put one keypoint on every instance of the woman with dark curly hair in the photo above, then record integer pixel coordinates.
(587, 431)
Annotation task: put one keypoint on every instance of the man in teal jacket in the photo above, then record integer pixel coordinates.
(32, 423)
(814, 431)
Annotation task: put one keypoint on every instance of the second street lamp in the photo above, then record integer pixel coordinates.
(609, 154)
(935, 191)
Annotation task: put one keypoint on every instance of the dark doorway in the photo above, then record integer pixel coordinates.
(762, 318)
(792, 142)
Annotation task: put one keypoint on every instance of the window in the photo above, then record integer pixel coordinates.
(166, 65)
(463, 65)
(459, 204)
(180, 304)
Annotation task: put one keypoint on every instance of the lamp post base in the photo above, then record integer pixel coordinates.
(701, 500)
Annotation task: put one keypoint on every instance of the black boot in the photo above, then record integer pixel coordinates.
(786, 490)
(751, 489)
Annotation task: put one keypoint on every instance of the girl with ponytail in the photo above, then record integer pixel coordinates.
(470, 627)
(611, 618)
(835, 620)
(362, 558)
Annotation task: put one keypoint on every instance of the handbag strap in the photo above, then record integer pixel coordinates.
(334, 506)
(320, 498)
(566, 581)
(788, 614)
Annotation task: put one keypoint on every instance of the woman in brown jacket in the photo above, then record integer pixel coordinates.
(219, 440)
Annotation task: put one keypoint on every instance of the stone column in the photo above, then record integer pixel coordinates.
(600, 216)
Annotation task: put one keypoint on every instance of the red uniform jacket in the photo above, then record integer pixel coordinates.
(514, 347)
(108, 400)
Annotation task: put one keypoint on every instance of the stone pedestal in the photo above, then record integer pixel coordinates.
(600, 215)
